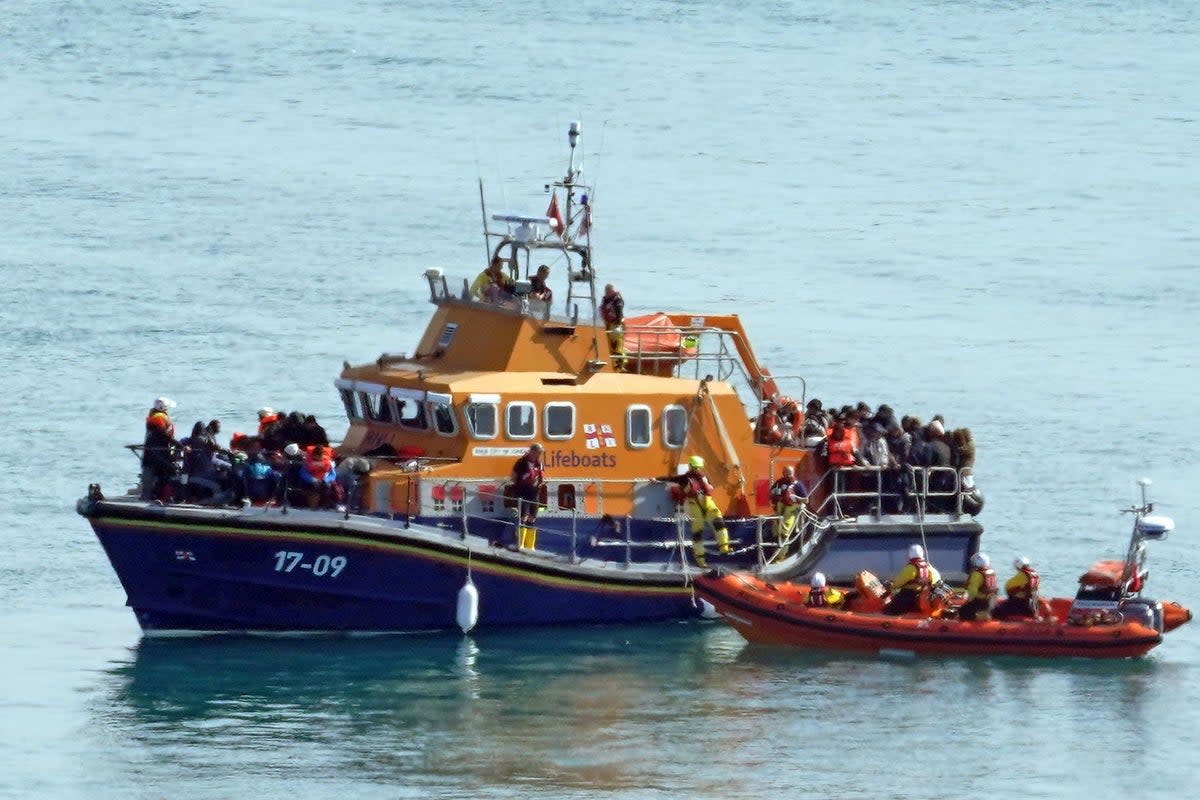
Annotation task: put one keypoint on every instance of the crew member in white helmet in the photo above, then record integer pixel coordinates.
(914, 579)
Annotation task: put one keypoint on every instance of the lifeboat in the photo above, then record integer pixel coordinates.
(764, 613)
(420, 526)
(1108, 618)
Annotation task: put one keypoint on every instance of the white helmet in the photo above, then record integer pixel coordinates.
(265, 411)
(292, 450)
(818, 580)
(980, 560)
(916, 551)
(1020, 562)
(163, 403)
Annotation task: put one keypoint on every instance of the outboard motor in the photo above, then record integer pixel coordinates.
(1143, 610)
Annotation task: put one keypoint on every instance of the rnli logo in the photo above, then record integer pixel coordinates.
(598, 436)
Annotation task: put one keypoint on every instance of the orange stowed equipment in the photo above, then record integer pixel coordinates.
(871, 595)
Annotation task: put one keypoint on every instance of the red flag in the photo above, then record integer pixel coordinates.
(554, 214)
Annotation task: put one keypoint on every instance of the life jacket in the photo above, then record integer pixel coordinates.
(267, 421)
(317, 468)
(612, 309)
(160, 421)
(532, 475)
(841, 452)
(987, 584)
(769, 431)
(697, 485)
(816, 597)
(782, 494)
(1030, 589)
(791, 416)
(921, 579)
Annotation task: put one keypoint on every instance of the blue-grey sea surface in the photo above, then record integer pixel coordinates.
(986, 210)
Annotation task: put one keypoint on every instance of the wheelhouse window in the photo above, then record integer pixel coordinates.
(369, 403)
(638, 427)
(674, 423)
(559, 420)
(350, 403)
(442, 413)
(412, 413)
(481, 418)
(520, 420)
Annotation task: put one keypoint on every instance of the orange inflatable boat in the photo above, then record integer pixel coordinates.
(1108, 617)
(765, 613)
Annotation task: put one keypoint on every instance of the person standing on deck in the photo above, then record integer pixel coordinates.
(787, 498)
(158, 451)
(612, 310)
(697, 498)
(528, 475)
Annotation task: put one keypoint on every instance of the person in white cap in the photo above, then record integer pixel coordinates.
(981, 590)
(158, 451)
(913, 580)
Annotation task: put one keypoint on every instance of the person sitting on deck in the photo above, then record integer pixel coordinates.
(318, 476)
(697, 498)
(981, 590)
(1022, 591)
(493, 285)
(822, 596)
(913, 580)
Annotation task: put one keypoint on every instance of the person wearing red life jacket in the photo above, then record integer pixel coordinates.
(1022, 591)
(703, 511)
(981, 590)
(528, 475)
(158, 451)
(787, 498)
(266, 418)
(913, 580)
(318, 476)
(841, 447)
(822, 596)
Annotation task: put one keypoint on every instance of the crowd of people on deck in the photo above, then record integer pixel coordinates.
(858, 436)
(286, 461)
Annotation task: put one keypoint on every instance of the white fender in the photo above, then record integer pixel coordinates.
(708, 610)
(467, 613)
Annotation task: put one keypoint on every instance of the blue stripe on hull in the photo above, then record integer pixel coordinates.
(180, 578)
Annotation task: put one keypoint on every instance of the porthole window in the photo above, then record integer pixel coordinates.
(638, 427)
(559, 420)
(520, 420)
(674, 422)
(481, 420)
(443, 418)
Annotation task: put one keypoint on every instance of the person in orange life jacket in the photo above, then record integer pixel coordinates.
(528, 475)
(787, 498)
(538, 290)
(266, 418)
(158, 451)
(840, 446)
(697, 496)
(981, 590)
(612, 311)
(914, 578)
(318, 476)
(822, 596)
(1022, 591)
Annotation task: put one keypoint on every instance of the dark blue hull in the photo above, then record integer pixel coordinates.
(205, 569)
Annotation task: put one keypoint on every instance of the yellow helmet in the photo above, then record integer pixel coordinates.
(696, 462)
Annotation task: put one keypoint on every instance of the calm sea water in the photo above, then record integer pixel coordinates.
(985, 210)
